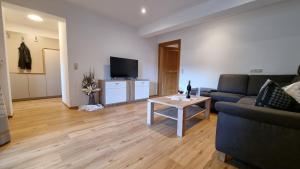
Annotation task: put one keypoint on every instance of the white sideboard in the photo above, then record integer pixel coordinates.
(123, 91)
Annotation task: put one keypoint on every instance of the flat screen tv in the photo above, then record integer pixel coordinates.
(125, 68)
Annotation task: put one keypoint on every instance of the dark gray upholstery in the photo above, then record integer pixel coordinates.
(228, 97)
(265, 145)
(233, 84)
(232, 87)
(296, 79)
(249, 100)
(261, 114)
(256, 81)
(264, 137)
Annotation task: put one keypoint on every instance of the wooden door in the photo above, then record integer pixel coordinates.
(169, 61)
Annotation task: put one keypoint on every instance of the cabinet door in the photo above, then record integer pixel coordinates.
(115, 85)
(115, 92)
(37, 85)
(142, 89)
(19, 86)
(52, 69)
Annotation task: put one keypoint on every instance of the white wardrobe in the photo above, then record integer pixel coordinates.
(48, 84)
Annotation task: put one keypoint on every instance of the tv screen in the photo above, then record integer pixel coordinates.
(121, 67)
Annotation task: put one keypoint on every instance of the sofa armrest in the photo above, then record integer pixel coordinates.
(262, 114)
(206, 91)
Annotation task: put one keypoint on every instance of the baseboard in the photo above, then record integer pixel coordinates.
(72, 107)
(36, 98)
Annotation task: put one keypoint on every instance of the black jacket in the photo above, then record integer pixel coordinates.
(24, 57)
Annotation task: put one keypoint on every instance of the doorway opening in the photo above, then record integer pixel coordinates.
(169, 67)
(35, 45)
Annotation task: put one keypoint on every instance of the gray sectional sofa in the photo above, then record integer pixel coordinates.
(242, 88)
(264, 137)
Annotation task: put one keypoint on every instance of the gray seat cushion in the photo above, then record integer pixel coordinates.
(249, 100)
(226, 97)
(230, 83)
(256, 82)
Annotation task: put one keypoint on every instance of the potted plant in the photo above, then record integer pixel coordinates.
(89, 87)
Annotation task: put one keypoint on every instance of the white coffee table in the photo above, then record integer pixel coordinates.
(179, 109)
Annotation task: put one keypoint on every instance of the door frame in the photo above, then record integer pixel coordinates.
(160, 57)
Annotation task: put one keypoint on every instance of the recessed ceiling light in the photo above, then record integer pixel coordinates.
(143, 10)
(35, 18)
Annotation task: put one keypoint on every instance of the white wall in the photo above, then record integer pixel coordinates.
(92, 39)
(30, 30)
(64, 60)
(267, 38)
(13, 40)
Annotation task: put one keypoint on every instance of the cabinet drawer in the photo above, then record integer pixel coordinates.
(114, 85)
(142, 83)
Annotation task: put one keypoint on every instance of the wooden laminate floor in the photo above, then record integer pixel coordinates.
(46, 134)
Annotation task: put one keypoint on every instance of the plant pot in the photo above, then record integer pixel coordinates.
(92, 99)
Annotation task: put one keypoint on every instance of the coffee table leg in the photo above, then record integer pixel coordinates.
(180, 123)
(150, 113)
(207, 107)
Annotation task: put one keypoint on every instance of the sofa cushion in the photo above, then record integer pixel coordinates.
(227, 97)
(272, 95)
(249, 100)
(233, 83)
(263, 114)
(293, 90)
(256, 82)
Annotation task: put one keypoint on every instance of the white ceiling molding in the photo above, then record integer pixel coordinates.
(213, 9)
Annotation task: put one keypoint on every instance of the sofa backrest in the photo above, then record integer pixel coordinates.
(232, 83)
(256, 82)
(296, 79)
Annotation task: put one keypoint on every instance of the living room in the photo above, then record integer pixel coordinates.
(228, 50)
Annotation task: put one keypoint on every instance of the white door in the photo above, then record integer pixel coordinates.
(52, 70)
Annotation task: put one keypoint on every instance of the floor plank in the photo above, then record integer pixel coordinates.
(46, 134)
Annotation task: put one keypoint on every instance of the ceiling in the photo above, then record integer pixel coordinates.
(19, 17)
(128, 11)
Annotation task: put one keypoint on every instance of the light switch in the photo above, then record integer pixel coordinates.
(75, 66)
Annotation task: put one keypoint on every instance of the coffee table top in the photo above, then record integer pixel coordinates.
(179, 101)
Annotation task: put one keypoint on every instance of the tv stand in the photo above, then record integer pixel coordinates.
(118, 91)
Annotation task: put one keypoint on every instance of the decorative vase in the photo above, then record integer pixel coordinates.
(188, 88)
(92, 99)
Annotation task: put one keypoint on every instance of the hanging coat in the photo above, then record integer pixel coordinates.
(24, 57)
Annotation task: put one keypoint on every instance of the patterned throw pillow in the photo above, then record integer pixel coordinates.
(271, 95)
